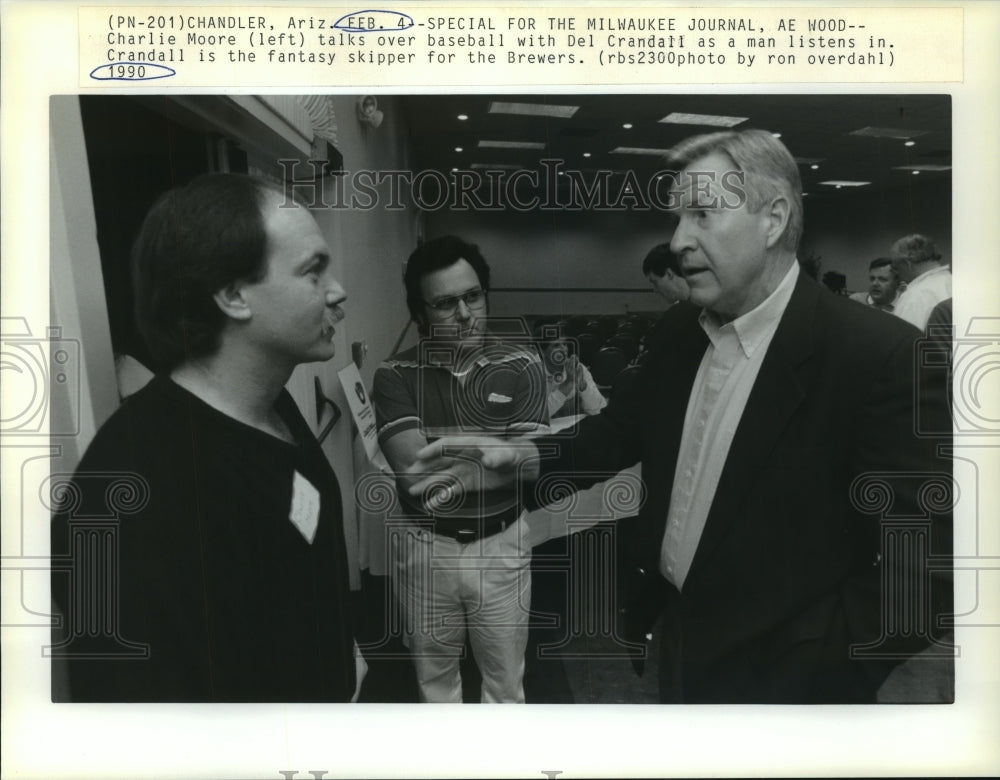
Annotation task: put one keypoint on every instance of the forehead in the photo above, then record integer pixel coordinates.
(457, 278)
(290, 230)
(882, 271)
(702, 181)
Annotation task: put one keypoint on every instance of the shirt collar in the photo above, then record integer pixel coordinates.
(885, 306)
(757, 325)
(932, 272)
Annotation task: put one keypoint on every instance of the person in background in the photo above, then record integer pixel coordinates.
(661, 268)
(760, 410)
(224, 577)
(572, 389)
(884, 284)
(462, 571)
(930, 283)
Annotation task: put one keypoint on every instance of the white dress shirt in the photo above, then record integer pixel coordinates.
(922, 295)
(719, 395)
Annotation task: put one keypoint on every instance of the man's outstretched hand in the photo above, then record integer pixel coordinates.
(448, 468)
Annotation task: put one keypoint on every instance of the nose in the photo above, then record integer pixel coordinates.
(462, 312)
(681, 240)
(335, 294)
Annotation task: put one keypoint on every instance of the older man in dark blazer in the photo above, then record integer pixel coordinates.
(777, 428)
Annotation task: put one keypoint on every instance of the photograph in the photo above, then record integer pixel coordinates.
(531, 285)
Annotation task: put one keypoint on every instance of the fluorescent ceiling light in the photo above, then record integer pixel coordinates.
(638, 150)
(888, 132)
(511, 145)
(496, 166)
(711, 120)
(922, 168)
(844, 183)
(533, 109)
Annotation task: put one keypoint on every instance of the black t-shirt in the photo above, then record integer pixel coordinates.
(180, 571)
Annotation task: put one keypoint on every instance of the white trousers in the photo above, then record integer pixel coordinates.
(449, 591)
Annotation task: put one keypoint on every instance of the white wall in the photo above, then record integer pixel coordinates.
(78, 304)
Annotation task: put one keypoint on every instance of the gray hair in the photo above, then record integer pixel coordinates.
(916, 248)
(769, 168)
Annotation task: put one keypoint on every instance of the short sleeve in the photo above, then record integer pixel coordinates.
(395, 405)
(533, 392)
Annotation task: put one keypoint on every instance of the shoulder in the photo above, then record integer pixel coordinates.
(149, 415)
(840, 326)
(394, 368)
(407, 358)
(146, 442)
(677, 322)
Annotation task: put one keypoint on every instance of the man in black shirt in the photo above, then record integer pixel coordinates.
(198, 552)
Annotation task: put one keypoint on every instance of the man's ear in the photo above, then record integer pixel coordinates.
(233, 301)
(422, 323)
(777, 214)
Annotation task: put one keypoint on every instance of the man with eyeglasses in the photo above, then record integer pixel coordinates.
(462, 571)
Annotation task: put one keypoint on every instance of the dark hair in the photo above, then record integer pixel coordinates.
(659, 260)
(431, 256)
(769, 167)
(892, 262)
(195, 240)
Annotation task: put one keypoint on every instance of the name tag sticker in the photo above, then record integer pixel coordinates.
(304, 512)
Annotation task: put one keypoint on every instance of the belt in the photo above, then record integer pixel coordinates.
(469, 535)
(482, 529)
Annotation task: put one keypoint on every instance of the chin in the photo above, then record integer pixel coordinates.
(703, 300)
(322, 353)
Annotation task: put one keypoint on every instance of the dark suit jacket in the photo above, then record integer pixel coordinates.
(788, 574)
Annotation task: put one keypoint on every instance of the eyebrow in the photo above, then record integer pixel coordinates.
(321, 258)
(477, 288)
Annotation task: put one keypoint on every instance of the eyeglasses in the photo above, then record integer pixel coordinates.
(473, 299)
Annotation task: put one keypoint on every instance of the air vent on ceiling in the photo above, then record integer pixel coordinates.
(899, 133)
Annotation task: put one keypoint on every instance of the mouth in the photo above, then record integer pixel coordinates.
(330, 320)
(469, 332)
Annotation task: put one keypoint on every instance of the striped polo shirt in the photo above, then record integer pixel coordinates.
(497, 388)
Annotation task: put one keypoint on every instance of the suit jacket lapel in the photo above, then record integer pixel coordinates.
(778, 391)
(677, 381)
(667, 405)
